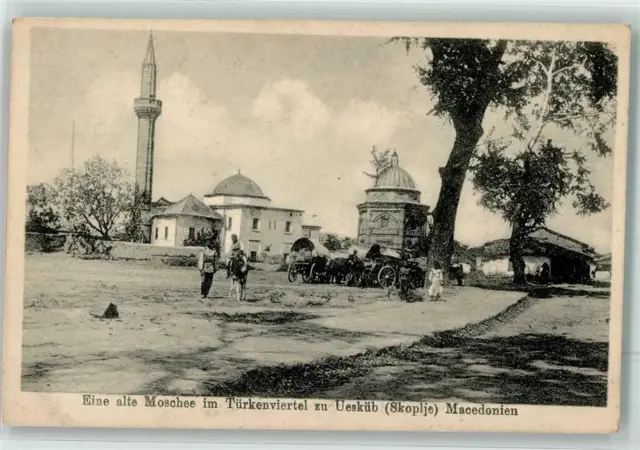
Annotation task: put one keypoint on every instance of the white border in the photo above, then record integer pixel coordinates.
(576, 11)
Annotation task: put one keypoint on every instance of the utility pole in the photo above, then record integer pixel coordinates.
(73, 144)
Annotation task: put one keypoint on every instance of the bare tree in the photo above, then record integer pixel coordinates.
(380, 161)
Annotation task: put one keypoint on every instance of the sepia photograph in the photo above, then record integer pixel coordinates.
(359, 226)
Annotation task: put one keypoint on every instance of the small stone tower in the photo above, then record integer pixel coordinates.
(148, 108)
(392, 215)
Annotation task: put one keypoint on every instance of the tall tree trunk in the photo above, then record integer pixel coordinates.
(516, 246)
(468, 133)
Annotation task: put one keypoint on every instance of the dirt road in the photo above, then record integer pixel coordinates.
(167, 340)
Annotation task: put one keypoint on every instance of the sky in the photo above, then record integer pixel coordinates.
(297, 114)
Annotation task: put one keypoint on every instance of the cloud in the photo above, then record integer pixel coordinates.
(105, 121)
(191, 139)
(289, 105)
(367, 121)
(303, 152)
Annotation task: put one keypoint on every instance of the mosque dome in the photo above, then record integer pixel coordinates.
(395, 177)
(238, 185)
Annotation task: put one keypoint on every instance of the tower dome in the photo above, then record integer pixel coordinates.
(238, 185)
(395, 177)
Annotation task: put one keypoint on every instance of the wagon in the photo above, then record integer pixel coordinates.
(385, 268)
(310, 261)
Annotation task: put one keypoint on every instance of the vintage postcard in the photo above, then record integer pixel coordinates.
(316, 225)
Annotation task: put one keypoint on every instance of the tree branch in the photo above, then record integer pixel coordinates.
(539, 63)
(566, 68)
(544, 105)
(571, 116)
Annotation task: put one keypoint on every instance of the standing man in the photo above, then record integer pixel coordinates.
(207, 262)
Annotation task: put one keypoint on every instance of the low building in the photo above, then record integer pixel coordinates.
(569, 260)
(311, 231)
(392, 215)
(603, 268)
(181, 223)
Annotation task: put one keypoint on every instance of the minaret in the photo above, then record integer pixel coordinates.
(147, 108)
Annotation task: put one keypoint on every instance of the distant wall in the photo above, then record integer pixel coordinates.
(502, 266)
(131, 250)
(46, 243)
(603, 275)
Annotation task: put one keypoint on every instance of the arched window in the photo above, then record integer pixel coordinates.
(385, 221)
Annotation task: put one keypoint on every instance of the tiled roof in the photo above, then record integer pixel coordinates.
(190, 206)
(538, 242)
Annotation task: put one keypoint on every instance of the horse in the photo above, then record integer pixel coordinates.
(354, 272)
(337, 270)
(237, 271)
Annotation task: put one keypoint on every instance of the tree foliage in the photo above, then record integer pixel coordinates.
(530, 186)
(133, 231)
(95, 198)
(42, 215)
(333, 242)
(347, 242)
(533, 83)
(571, 87)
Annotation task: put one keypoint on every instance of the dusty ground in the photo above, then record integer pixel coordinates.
(168, 340)
(543, 351)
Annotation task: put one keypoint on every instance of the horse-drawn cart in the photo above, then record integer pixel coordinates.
(385, 268)
(382, 267)
(310, 261)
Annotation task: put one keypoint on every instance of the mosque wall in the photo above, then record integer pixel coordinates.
(263, 231)
(219, 200)
(163, 231)
(189, 227)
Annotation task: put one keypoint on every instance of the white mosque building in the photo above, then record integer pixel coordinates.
(237, 205)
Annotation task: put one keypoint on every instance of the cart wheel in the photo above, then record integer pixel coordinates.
(386, 276)
(292, 274)
(369, 280)
(312, 273)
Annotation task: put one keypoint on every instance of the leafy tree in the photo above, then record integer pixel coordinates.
(536, 179)
(41, 212)
(95, 198)
(380, 161)
(332, 242)
(133, 231)
(347, 242)
(466, 77)
(529, 187)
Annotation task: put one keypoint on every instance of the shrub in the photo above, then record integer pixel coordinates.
(327, 296)
(44, 242)
(275, 296)
(180, 261)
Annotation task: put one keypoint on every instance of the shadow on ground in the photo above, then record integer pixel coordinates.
(260, 317)
(535, 369)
